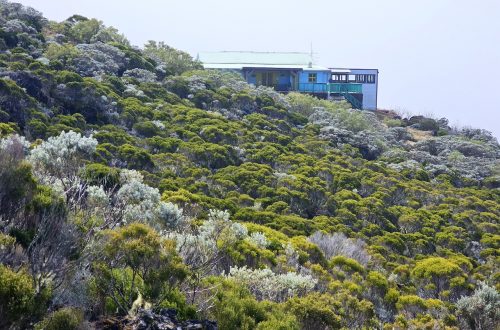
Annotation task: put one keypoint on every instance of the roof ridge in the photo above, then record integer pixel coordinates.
(253, 51)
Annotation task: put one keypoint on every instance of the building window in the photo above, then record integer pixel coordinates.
(360, 78)
(312, 77)
(370, 78)
(339, 77)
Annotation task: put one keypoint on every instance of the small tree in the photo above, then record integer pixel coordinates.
(436, 274)
(176, 61)
(137, 261)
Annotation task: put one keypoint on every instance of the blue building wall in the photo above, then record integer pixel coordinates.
(284, 78)
(369, 89)
(320, 86)
(250, 78)
(322, 77)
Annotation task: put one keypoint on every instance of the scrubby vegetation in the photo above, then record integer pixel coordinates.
(132, 180)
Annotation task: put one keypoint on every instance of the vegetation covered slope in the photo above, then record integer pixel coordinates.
(132, 179)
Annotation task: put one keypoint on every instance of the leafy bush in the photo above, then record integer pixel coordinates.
(137, 260)
(66, 318)
(175, 61)
(16, 296)
(315, 311)
(435, 274)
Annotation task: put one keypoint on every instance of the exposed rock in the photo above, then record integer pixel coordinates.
(165, 319)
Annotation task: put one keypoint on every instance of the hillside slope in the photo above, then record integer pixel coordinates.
(132, 180)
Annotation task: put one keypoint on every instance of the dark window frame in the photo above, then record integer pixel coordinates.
(340, 77)
(361, 78)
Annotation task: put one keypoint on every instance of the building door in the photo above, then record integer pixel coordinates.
(266, 78)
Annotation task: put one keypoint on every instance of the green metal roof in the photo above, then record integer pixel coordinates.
(263, 58)
(235, 60)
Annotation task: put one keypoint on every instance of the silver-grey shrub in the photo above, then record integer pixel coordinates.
(338, 244)
(97, 59)
(58, 160)
(481, 310)
(267, 285)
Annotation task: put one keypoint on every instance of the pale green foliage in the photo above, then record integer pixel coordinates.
(306, 104)
(137, 260)
(93, 30)
(435, 266)
(219, 78)
(266, 285)
(158, 124)
(6, 242)
(338, 114)
(455, 156)
(176, 61)
(380, 225)
(412, 306)
(436, 276)
(62, 53)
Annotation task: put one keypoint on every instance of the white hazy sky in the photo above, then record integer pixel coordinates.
(439, 57)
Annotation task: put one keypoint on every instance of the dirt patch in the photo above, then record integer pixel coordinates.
(418, 135)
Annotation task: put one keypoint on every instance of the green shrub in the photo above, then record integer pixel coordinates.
(377, 280)
(98, 174)
(137, 260)
(347, 264)
(316, 311)
(16, 296)
(66, 318)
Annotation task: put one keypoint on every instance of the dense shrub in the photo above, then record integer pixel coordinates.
(136, 261)
(63, 319)
(16, 296)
